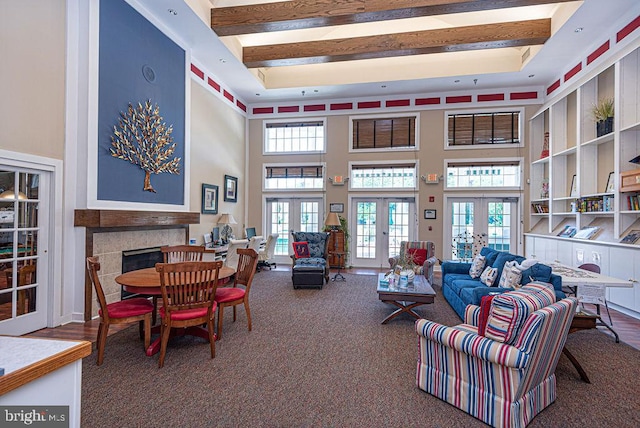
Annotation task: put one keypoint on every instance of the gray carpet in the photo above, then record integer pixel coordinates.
(322, 358)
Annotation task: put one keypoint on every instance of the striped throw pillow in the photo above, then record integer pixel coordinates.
(510, 310)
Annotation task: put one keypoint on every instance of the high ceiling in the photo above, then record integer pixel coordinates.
(270, 51)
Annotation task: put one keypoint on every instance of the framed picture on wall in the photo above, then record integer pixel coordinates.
(611, 183)
(336, 208)
(230, 188)
(209, 199)
(574, 186)
(430, 214)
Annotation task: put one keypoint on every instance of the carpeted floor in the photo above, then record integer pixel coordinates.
(321, 358)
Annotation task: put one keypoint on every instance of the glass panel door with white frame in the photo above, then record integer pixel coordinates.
(474, 221)
(380, 224)
(287, 214)
(23, 240)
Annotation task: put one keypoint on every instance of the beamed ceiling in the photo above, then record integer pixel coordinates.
(269, 50)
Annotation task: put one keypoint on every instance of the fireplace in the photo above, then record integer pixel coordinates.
(139, 259)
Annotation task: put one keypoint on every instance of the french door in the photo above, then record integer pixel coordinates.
(297, 214)
(23, 250)
(378, 226)
(497, 218)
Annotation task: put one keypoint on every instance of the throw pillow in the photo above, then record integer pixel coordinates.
(485, 309)
(511, 276)
(477, 266)
(489, 276)
(418, 255)
(510, 310)
(301, 250)
(537, 272)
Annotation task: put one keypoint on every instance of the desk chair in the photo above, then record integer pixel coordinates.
(232, 252)
(592, 267)
(267, 252)
(125, 311)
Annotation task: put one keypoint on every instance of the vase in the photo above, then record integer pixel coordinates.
(604, 127)
(410, 275)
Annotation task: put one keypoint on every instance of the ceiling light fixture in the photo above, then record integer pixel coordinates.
(531, 75)
(222, 60)
(578, 30)
(172, 12)
(456, 81)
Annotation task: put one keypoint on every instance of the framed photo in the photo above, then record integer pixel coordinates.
(230, 188)
(574, 186)
(336, 208)
(611, 183)
(209, 199)
(430, 214)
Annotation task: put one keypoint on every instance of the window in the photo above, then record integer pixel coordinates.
(488, 174)
(483, 128)
(383, 133)
(294, 137)
(294, 177)
(383, 176)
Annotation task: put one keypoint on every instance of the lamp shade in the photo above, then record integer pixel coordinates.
(227, 219)
(11, 194)
(332, 220)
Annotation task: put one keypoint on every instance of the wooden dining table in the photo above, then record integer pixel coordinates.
(147, 281)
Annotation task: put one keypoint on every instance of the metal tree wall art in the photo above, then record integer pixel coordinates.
(142, 138)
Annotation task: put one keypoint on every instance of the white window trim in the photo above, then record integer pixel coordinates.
(521, 125)
(448, 162)
(382, 163)
(278, 165)
(293, 120)
(385, 116)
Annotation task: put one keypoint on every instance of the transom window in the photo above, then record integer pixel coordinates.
(293, 177)
(489, 174)
(383, 132)
(483, 128)
(383, 176)
(294, 137)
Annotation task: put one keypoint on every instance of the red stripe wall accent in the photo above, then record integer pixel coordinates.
(341, 106)
(575, 70)
(195, 70)
(491, 97)
(241, 106)
(628, 29)
(397, 103)
(369, 104)
(227, 95)
(553, 86)
(458, 99)
(532, 95)
(288, 109)
(427, 101)
(315, 107)
(263, 110)
(215, 85)
(595, 54)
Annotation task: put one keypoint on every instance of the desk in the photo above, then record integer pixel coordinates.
(581, 321)
(574, 277)
(147, 281)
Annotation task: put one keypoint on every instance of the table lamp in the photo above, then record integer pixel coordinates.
(226, 231)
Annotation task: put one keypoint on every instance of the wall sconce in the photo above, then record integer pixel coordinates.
(431, 178)
(338, 180)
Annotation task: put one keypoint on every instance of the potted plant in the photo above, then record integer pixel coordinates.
(603, 115)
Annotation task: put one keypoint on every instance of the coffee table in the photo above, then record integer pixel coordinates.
(418, 293)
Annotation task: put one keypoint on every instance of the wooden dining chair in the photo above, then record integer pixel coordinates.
(238, 293)
(188, 291)
(125, 311)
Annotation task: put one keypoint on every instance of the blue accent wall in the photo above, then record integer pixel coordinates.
(128, 42)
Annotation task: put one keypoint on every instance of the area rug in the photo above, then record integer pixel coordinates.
(321, 358)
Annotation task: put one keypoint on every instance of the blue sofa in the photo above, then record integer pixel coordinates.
(460, 290)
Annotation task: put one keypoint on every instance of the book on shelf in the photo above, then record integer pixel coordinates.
(631, 237)
(586, 232)
(633, 202)
(567, 232)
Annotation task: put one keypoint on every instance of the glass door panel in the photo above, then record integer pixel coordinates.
(287, 214)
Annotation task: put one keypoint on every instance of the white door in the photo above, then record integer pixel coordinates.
(378, 226)
(297, 214)
(24, 210)
(495, 217)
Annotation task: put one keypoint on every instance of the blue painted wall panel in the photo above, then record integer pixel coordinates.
(128, 42)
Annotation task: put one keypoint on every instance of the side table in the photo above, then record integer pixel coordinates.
(339, 276)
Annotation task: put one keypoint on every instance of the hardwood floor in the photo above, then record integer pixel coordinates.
(628, 328)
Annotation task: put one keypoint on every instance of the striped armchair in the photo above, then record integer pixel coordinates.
(504, 384)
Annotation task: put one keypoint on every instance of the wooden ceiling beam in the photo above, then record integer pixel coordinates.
(299, 14)
(502, 35)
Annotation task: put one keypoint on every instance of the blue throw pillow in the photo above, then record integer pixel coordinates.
(490, 255)
(537, 272)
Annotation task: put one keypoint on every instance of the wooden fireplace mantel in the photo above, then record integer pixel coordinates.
(100, 221)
